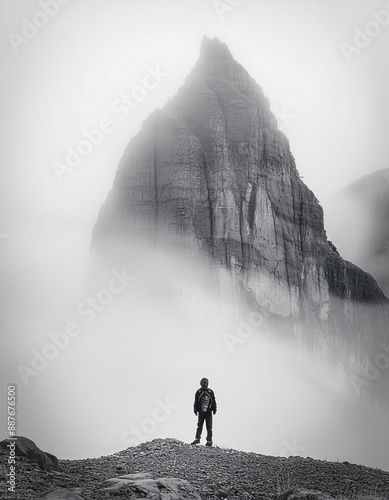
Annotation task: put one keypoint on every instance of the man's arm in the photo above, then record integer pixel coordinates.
(214, 405)
(196, 403)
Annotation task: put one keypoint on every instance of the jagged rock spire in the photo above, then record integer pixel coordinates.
(211, 173)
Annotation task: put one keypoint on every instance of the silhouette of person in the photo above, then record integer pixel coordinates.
(204, 405)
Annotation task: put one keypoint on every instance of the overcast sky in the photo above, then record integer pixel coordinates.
(327, 83)
(68, 75)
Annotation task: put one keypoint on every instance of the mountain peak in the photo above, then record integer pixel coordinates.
(214, 180)
(213, 47)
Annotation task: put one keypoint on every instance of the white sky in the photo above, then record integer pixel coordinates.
(66, 78)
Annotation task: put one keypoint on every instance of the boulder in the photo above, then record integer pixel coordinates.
(300, 494)
(24, 447)
(144, 486)
(62, 494)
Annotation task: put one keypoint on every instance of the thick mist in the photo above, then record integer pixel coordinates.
(361, 232)
(113, 365)
(95, 377)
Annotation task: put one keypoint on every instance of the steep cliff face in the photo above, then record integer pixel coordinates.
(212, 175)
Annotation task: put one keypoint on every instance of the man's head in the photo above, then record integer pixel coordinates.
(204, 383)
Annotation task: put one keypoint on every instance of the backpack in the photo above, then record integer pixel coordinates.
(205, 401)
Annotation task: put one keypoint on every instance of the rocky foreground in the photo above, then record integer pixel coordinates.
(165, 469)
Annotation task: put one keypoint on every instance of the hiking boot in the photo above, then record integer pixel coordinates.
(196, 441)
(208, 443)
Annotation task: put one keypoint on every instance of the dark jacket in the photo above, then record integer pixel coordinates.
(197, 405)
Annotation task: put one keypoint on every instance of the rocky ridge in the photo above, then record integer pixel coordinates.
(202, 473)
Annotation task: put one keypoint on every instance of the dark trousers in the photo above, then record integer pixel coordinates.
(200, 423)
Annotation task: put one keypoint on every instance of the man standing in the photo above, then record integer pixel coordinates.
(204, 405)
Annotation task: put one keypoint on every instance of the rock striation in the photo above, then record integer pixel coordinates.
(211, 176)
